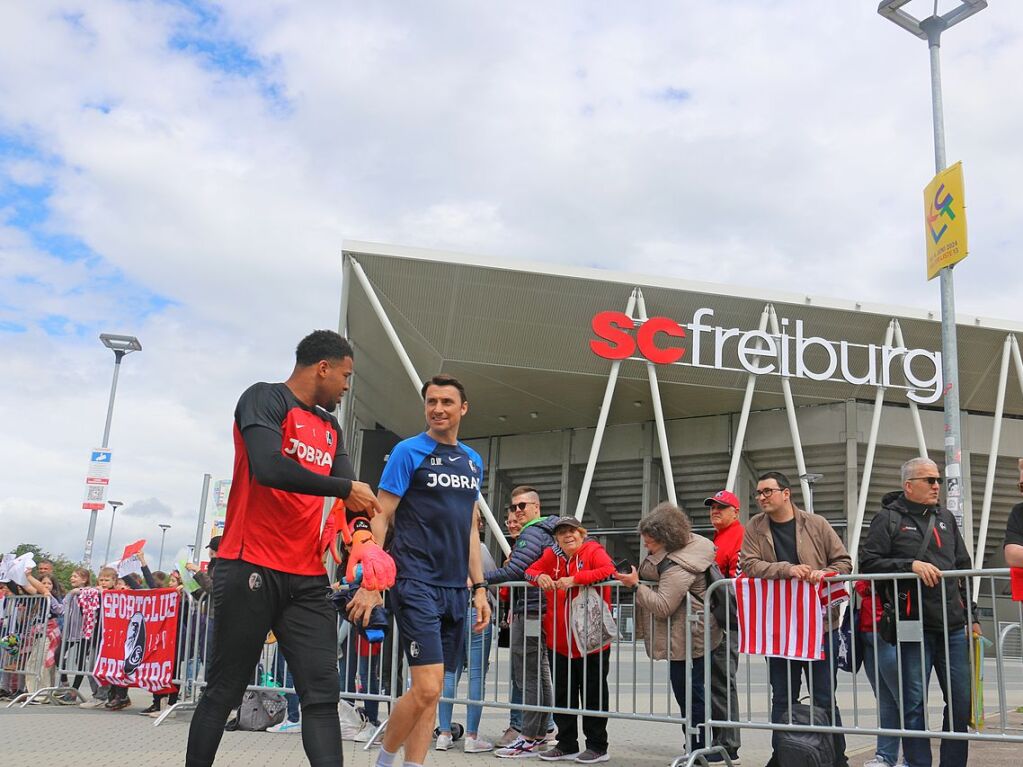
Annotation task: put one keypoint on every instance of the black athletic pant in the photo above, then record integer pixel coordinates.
(581, 680)
(248, 601)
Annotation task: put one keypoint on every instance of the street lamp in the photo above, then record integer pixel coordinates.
(110, 535)
(930, 29)
(120, 346)
(163, 535)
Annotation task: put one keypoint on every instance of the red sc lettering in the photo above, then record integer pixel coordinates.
(647, 346)
(611, 326)
(617, 344)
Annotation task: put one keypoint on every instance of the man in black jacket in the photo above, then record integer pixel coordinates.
(914, 533)
(528, 648)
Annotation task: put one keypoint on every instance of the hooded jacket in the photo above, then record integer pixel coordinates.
(590, 564)
(892, 543)
(529, 546)
(661, 610)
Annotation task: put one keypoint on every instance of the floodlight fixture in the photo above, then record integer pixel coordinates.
(932, 25)
(119, 343)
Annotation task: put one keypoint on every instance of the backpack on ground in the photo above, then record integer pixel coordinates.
(261, 709)
(805, 749)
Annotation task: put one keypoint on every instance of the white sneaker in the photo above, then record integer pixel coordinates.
(878, 761)
(510, 736)
(477, 745)
(286, 726)
(444, 742)
(93, 704)
(522, 748)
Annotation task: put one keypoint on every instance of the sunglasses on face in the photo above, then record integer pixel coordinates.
(519, 507)
(928, 480)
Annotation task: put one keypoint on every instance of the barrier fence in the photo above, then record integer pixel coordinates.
(528, 661)
(25, 635)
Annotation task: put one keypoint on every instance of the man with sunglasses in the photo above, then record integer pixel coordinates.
(1014, 530)
(786, 542)
(528, 648)
(914, 533)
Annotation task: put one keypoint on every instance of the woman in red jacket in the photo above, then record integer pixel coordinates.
(574, 562)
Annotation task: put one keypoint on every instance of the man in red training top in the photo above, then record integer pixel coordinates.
(289, 455)
(724, 701)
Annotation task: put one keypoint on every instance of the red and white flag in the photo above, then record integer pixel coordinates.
(779, 618)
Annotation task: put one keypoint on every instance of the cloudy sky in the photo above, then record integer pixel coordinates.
(187, 172)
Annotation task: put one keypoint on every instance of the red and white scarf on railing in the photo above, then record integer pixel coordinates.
(88, 602)
(784, 618)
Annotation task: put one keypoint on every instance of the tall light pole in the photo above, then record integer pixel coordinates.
(163, 535)
(930, 29)
(113, 513)
(120, 346)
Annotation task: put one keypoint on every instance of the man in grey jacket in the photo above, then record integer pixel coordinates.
(528, 647)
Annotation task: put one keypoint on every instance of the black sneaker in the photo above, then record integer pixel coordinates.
(118, 704)
(154, 708)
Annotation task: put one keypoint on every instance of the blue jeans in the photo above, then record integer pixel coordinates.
(698, 712)
(515, 718)
(478, 648)
(283, 678)
(786, 680)
(369, 678)
(914, 689)
(885, 684)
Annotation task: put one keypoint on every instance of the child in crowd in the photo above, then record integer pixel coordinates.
(77, 650)
(106, 579)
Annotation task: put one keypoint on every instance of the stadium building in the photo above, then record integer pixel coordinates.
(610, 392)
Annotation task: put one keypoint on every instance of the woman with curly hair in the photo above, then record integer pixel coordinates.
(677, 561)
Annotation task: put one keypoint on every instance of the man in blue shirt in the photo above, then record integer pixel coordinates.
(428, 491)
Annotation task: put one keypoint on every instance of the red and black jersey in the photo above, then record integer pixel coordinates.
(271, 527)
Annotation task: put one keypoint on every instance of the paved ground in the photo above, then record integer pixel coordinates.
(44, 735)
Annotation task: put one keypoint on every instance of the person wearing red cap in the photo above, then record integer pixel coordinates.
(728, 531)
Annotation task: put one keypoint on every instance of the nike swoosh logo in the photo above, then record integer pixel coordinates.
(453, 458)
(299, 425)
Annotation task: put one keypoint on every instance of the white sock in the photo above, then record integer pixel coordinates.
(386, 758)
(412, 764)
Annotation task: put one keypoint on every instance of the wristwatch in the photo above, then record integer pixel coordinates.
(480, 585)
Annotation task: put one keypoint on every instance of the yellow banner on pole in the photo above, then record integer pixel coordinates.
(945, 220)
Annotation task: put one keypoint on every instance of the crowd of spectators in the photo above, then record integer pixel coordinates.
(551, 667)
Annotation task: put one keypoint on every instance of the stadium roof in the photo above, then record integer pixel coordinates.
(517, 334)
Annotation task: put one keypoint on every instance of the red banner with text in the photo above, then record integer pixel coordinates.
(140, 632)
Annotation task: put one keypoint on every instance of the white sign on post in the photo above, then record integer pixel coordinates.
(97, 479)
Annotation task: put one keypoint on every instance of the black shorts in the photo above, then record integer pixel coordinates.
(431, 622)
(248, 601)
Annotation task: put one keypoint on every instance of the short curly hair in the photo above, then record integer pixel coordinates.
(668, 525)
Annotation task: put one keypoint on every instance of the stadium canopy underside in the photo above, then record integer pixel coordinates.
(519, 334)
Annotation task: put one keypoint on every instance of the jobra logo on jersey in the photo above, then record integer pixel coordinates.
(309, 454)
(463, 481)
(789, 353)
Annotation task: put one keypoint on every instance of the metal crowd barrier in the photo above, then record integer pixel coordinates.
(910, 714)
(23, 644)
(637, 687)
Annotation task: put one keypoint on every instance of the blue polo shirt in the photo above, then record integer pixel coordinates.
(438, 486)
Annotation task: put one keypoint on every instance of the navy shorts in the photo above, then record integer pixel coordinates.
(431, 622)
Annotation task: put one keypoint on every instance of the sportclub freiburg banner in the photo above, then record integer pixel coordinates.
(140, 632)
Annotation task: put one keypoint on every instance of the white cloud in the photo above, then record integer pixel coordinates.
(224, 176)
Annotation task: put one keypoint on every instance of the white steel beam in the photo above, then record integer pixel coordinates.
(992, 461)
(790, 410)
(598, 435)
(914, 411)
(417, 383)
(747, 405)
(868, 461)
(655, 400)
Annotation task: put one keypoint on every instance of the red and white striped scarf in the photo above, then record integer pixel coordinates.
(88, 603)
(784, 618)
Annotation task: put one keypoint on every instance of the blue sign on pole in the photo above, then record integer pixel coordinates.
(100, 456)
